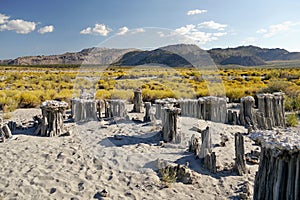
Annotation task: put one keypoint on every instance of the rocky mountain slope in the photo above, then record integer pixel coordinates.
(179, 55)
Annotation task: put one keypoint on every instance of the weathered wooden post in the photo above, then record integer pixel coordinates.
(137, 101)
(169, 125)
(52, 122)
(278, 175)
(147, 111)
(240, 163)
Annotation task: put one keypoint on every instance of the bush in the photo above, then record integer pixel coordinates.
(292, 120)
(168, 175)
(29, 99)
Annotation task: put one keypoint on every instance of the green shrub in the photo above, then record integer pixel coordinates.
(168, 175)
(292, 120)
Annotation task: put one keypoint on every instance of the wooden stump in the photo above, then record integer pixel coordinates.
(169, 125)
(240, 164)
(278, 175)
(52, 122)
(137, 101)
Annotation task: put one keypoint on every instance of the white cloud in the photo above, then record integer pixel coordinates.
(19, 26)
(3, 18)
(212, 25)
(123, 30)
(46, 29)
(196, 12)
(273, 30)
(138, 30)
(88, 30)
(194, 32)
(98, 29)
(186, 29)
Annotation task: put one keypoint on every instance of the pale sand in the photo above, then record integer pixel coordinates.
(92, 159)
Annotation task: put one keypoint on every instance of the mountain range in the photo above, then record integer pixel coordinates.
(178, 55)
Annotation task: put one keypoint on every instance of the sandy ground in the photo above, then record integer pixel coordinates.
(117, 156)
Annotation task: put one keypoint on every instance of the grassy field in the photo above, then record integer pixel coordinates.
(23, 87)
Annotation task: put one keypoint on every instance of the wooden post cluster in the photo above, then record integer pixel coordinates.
(52, 122)
(169, 125)
(270, 111)
(137, 101)
(278, 175)
(240, 163)
(147, 111)
(207, 108)
(116, 108)
(83, 109)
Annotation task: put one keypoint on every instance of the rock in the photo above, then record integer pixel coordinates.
(80, 186)
(52, 190)
(104, 193)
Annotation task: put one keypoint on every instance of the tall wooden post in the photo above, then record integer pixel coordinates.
(137, 101)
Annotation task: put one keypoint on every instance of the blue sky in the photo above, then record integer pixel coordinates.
(44, 27)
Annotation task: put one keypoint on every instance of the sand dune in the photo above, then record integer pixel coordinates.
(119, 157)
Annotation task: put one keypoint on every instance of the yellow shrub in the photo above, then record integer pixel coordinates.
(28, 99)
(102, 94)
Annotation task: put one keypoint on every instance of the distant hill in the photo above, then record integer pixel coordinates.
(251, 55)
(179, 55)
(94, 55)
